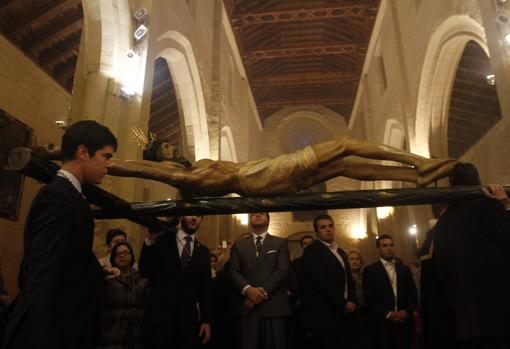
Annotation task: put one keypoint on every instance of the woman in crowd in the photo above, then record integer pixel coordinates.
(359, 323)
(121, 325)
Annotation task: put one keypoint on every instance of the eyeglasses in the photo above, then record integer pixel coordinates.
(123, 254)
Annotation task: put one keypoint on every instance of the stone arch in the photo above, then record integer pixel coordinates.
(442, 57)
(227, 146)
(178, 52)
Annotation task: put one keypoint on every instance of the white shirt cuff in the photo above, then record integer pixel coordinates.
(245, 288)
(150, 242)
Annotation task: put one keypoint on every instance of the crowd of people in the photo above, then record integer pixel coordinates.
(248, 294)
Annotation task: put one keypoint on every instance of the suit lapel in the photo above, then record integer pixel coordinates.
(326, 252)
(251, 251)
(174, 249)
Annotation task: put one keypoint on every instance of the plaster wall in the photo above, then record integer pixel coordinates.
(31, 96)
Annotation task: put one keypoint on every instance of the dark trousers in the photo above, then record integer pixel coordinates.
(181, 337)
(393, 335)
(486, 343)
(258, 332)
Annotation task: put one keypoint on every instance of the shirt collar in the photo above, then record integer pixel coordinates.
(332, 246)
(263, 236)
(181, 235)
(71, 178)
(387, 263)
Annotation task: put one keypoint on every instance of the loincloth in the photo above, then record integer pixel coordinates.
(286, 173)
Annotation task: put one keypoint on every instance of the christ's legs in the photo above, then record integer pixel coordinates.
(335, 149)
(365, 172)
(370, 172)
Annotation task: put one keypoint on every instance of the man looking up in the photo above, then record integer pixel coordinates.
(328, 288)
(59, 276)
(179, 303)
(259, 265)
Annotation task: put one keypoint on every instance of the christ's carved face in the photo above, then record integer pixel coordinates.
(168, 151)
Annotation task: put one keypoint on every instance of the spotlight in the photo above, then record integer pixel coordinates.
(490, 79)
(131, 54)
(140, 14)
(140, 32)
(127, 93)
(384, 212)
(413, 230)
(61, 124)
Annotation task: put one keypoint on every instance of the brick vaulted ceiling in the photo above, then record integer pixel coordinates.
(299, 52)
(47, 31)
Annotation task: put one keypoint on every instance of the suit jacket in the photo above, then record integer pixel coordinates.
(323, 287)
(173, 293)
(269, 271)
(60, 277)
(379, 293)
(472, 255)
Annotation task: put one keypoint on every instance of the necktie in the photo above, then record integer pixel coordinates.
(186, 253)
(258, 245)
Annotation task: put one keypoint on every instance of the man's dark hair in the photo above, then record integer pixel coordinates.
(114, 253)
(153, 152)
(318, 218)
(382, 237)
(303, 239)
(465, 174)
(112, 233)
(212, 255)
(89, 133)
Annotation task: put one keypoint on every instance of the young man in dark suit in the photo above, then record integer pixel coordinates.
(328, 288)
(471, 251)
(60, 277)
(179, 303)
(259, 265)
(391, 297)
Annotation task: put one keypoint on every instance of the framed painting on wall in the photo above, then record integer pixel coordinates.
(13, 133)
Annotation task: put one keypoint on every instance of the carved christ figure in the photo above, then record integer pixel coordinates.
(284, 174)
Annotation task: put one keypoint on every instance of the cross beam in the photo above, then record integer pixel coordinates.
(313, 101)
(302, 202)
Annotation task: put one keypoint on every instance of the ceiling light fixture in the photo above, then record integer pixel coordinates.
(490, 79)
(140, 32)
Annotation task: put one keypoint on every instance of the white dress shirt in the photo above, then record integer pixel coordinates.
(392, 276)
(181, 241)
(71, 178)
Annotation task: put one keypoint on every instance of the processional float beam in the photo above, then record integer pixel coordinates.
(301, 202)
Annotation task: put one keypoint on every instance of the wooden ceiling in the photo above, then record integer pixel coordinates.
(298, 52)
(474, 106)
(47, 31)
(164, 121)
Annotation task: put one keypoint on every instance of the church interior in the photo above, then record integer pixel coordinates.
(240, 80)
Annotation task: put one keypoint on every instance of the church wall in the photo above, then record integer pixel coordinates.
(31, 96)
(391, 82)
